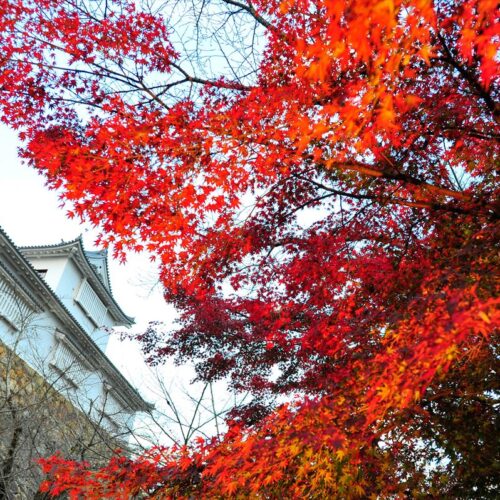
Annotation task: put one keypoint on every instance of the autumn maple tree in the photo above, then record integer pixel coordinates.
(318, 182)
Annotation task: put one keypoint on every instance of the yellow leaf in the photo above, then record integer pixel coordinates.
(426, 52)
(358, 490)
(484, 317)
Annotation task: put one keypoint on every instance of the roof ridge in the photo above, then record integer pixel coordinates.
(78, 242)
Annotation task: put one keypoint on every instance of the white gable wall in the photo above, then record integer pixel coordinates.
(72, 281)
(65, 278)
(55, 269)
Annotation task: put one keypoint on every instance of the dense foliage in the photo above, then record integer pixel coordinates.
(321, 195)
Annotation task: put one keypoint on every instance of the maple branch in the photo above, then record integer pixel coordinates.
(471, 80)
(383, 200)
(357, 196)
(306, 203)
(155, 97)
(249, 8)
(487, 136)
(428, 205)
(210, 83)
(126, 79)
(86, 12)
(384, 174)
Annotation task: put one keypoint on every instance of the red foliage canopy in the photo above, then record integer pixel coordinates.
(326, 224)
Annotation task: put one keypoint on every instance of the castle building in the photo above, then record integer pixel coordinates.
(56, 313)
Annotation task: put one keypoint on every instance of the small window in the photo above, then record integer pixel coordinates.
(42, 272)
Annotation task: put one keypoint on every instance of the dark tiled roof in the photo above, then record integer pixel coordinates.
(102, 287)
